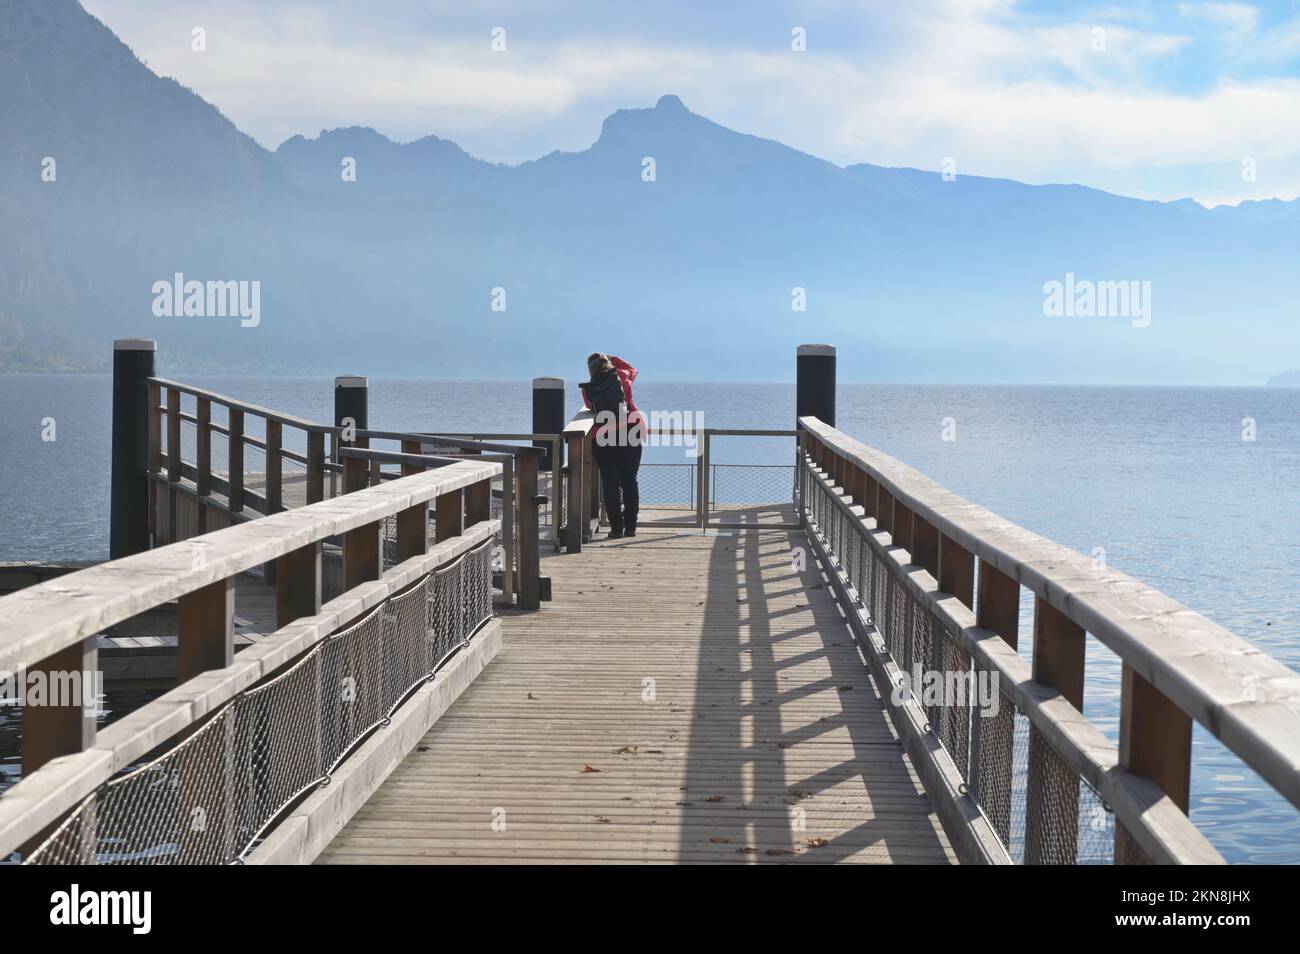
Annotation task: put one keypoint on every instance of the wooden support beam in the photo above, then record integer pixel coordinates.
(885, 513)
(903, 528)
(1155, 737)
(999, 603)
(957, 570)
(449, 515)
(203, 448)
(235, 464)
(315, 466)
(298, 584)
(155, 456)
(51, 728)
(356, 474)
(478, 502)
(576, 469)
(274, 467)
(362, 554)
(206, 630)
(925, 545)
(527, 545)
(412, 532)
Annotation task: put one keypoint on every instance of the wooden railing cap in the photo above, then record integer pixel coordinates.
(1241, 695)
(40, 620)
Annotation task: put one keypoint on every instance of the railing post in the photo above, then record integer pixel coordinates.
(591, 502)
(155, 459)
(356, 474)
(173, 463)
(52, 729)
(925, 540)
(235, 464)
(448, 515)
(1155, 740)
(548, 413)
(203, 458)
(512, 507)
(903, 528)
(478, 502)
(298, 584)
(706, 481)
(1058, 662)
(133, 423)
(206, 630)
(274, 467)
(530, 569)
(315, 466)
(574, 507)
(956, 570)
(413, 522)
(362, 549)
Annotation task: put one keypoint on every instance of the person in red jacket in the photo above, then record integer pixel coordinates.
(618, 435)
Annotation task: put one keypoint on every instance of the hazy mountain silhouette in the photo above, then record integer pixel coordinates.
(691, 273)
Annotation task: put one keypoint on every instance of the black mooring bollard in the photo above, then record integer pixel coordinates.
(548, 413)
(815, 382)
(352, 402)
(128, 524)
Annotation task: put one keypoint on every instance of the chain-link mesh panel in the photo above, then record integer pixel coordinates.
(446, 611)
(953, 724)
(407, 647)
(351, 686)
(293, 483)
(277, 747)
(667, 486)
(219, 455)
(742, 485)
(992, 745)
(1096, 841)
(177, 809)
(255, 469)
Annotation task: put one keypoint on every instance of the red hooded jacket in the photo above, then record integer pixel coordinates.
(626, 375)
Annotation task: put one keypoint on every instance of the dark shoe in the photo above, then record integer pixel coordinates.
(630, 532)
(615, 535)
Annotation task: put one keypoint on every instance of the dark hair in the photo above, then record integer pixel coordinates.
(601, 359)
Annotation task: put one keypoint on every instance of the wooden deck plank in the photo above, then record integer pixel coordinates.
(764, 740)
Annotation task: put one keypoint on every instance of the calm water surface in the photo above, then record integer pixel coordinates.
(1157, 480)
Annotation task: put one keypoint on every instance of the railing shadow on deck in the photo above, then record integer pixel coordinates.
(720, 761)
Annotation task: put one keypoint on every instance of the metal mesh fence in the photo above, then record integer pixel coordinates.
(667, 486)
(742, 485)
(1040, 808)
(208, 797)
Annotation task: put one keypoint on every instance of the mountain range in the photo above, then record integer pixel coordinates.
(695, 271)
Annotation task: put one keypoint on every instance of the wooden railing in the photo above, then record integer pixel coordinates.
(905, 553)
(87, 796)
(194, 490)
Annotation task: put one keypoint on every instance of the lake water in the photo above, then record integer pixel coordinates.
(1159, 480)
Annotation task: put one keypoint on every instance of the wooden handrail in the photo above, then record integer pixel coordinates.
(1243, 697)
(255, 409)
(41, 620)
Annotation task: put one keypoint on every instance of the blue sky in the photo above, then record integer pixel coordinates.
(1160, 100)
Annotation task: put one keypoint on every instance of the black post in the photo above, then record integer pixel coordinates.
(548, 413)
(352, 400)
(133, 365)
(815, 382)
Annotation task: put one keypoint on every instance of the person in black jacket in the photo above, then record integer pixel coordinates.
(617, 439)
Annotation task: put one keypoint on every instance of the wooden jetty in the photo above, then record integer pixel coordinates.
(442, 659)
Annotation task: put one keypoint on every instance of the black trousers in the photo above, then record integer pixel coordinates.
(618, 465)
